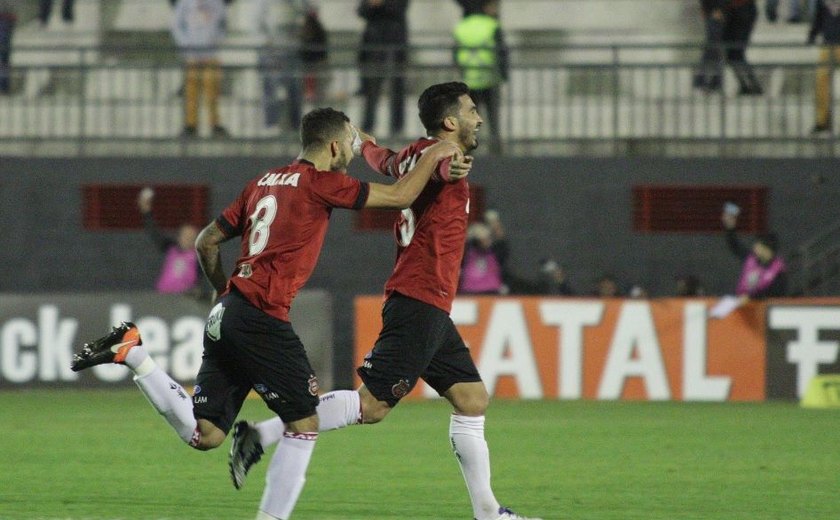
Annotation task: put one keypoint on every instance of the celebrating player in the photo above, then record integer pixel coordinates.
(418, 338)
(281, 217)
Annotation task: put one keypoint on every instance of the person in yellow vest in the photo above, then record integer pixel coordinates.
(481, 54)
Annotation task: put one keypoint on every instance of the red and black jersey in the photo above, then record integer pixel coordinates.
(282, 218)
(431, 233)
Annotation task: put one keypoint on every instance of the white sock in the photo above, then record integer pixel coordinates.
(339, 409)
(336, 410)
(466, 435)
(135, 357)
(286, 474)
(165, 395)
(271, 431)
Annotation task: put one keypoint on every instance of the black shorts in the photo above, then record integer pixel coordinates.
(245, 348)
(417, 340)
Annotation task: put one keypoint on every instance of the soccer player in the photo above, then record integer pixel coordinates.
(281, 217)
(418, 338)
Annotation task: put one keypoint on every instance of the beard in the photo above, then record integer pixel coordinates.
(341, 163)
(468, 139)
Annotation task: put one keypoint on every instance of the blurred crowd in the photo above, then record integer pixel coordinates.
(486, 268)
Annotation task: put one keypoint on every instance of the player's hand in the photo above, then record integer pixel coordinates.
(360, 137)
(460, 167)
(445, 149)
(144, 199)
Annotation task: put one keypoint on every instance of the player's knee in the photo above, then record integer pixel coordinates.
(208, 436)
(472, 403)
(209, 442)
(305, 425)
(374, 411)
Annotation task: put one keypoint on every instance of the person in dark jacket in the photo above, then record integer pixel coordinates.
(827, 23)
(383, 58)
(729, 25)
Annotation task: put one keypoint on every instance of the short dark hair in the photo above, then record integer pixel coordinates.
(322, 125)
(439, 101)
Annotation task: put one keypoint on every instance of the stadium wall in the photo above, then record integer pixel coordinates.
(578, 210)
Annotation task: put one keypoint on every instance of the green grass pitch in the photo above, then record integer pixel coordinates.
(93, 455)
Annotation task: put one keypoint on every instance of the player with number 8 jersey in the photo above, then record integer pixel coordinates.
(294, 202)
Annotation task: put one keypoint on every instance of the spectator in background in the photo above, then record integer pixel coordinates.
(482, 269)
(771, 9)
(763, 271)
(279, 25)
(607, 287)
(45, 10)
(482, 56)
(553, 279)
(7, 27)
(180, 271)
(729, 25)
(826, 22)
(383, 58)
(198, 28)
(313, 38)
(688, 286)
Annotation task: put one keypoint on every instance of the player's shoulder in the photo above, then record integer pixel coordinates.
(419, 145)
(413, 150)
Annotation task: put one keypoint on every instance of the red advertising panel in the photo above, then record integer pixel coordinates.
(665, 349)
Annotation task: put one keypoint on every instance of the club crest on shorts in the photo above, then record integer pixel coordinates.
(313, 385)
(400, 389)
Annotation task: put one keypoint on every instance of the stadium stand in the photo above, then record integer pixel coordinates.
(602, 76)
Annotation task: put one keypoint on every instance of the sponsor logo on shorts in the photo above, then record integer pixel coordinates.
(400, 389)
(265, 392)
(245, 271)
(213, 328)
(313, 385)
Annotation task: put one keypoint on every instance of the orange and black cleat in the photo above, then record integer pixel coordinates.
(111, 348)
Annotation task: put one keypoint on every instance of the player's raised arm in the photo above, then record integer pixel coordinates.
(379, 158)
(402, 193)
(383, 160)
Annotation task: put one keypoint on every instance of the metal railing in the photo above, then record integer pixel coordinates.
(558, 100)
(815, 265)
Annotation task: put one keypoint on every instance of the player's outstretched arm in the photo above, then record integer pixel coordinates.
(402, 193)
(210, 257)
(379, 158)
